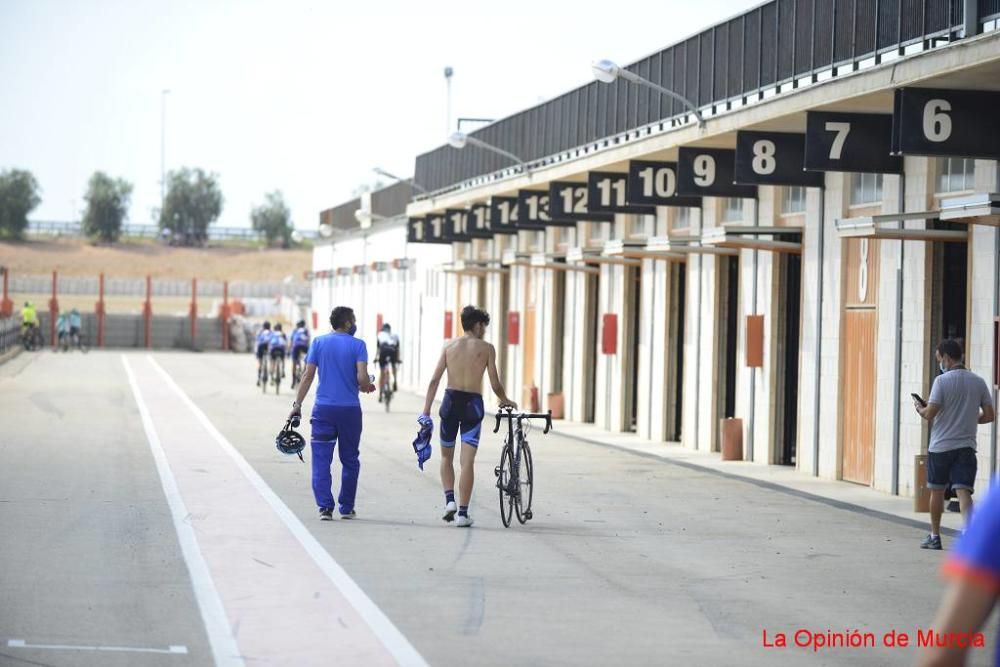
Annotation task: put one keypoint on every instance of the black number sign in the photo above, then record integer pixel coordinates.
(435, 230)
(569, 200)
(773, 158)
(709, 171)
(607, 192)
(504, 215)
(415, 230)
(947, 123)
(454, 225)
(477, 223)
(655, 183)
(533, 211)
(856, 142)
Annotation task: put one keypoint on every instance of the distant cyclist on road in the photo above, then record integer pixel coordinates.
(75, 324)
(29, 317)
(277, 347)
(263, 340)
(466, 359)
(300, 343)
(387, 355)
(62, 327)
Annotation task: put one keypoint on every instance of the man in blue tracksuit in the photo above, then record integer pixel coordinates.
(342, 361)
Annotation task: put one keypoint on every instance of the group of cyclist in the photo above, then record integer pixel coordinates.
(272, 345)
(68, 327)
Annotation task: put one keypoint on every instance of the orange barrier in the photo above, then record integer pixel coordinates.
(100, 311)
(6, 305)
(53, 312)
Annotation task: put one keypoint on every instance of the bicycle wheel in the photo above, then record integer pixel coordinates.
(526, 484)
(82, 344)
(505, 473)
(387, 397)
(277, 379)
(263, 379)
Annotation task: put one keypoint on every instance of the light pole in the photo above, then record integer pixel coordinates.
(460, 140)
(606, 71)
(448, 73)
(163, 146)
(416, 186)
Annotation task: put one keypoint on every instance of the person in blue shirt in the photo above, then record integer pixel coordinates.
(342, 363)
(974, 569)
(300, 345)
(263, 340)
(75, 322)
(276, 349)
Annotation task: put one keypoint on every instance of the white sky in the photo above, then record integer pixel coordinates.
(305, 97)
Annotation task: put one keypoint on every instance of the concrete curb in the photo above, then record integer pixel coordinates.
(10, 354)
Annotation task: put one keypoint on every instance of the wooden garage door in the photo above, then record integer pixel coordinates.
(858, 394)
(528, 338)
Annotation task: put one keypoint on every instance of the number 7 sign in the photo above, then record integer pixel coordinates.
(859, 142)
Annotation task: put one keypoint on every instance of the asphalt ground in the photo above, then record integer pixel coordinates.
(627, 560)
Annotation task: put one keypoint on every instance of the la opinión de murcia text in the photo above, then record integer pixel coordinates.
(823, 640)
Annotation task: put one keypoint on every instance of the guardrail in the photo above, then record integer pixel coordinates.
(10, 330)
(773, 46)
(149, 231)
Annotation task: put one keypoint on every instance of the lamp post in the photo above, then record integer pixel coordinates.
(163, 146)
(606, 71)
(460, 140)
(416, 186)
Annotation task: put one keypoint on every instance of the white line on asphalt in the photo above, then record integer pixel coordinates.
(225, 651)
(174, 649)
(381, 626)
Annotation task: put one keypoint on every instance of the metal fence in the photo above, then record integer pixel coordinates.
(75, 228)
(777, 43)
(42, 284)
(10, 331)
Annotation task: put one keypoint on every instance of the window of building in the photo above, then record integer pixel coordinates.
(866, 189)
(732, 209)
(681, 218)
(956, 174)
(793, 199)
(639, 226)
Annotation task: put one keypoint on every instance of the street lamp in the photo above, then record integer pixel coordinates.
(460, 140)
(416, 186)
(606, 71)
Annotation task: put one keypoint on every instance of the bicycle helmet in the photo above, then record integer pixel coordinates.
(289, 442)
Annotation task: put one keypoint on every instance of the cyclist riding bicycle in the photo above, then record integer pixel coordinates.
(277, 347)
(263, 340)
(29, 318)
(62, 327)
(75, 323)
(300, 342)
(388, 354)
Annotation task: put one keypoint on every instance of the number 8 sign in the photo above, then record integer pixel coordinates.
(773, 158)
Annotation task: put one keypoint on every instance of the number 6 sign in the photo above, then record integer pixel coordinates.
(947, 123)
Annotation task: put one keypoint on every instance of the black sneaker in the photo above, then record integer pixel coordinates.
(931, 542)
(325, 514)
(350, 515)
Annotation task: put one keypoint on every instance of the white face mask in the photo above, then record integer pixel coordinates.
(941, 366)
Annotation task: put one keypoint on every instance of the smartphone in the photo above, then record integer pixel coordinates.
(919, 400)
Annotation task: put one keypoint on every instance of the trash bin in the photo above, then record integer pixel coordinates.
(921, 495)
(731, 429)
(556, 405)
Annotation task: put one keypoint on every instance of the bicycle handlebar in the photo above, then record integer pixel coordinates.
(507, 413)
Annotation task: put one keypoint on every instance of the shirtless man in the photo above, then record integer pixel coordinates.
(466, 359)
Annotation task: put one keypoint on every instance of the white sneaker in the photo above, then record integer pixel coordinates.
(464, 521)
(449, 511)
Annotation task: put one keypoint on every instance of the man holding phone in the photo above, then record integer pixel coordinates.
(960, 400)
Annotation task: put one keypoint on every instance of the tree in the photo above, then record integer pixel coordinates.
(107, 206)
(18, 197)
(193, 202)
(273, 219)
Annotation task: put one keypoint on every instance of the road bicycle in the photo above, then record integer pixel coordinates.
(77, 340)
(31, 337)
(515, 474)
(386, 390)
(277, 373)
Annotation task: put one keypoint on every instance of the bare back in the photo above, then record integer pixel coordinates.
(467, 358)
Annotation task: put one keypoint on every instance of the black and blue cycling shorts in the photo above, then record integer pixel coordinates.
(461, 412)
(261, 350)
(298, 351)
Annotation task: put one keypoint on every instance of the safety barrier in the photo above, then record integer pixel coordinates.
(10, 329)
